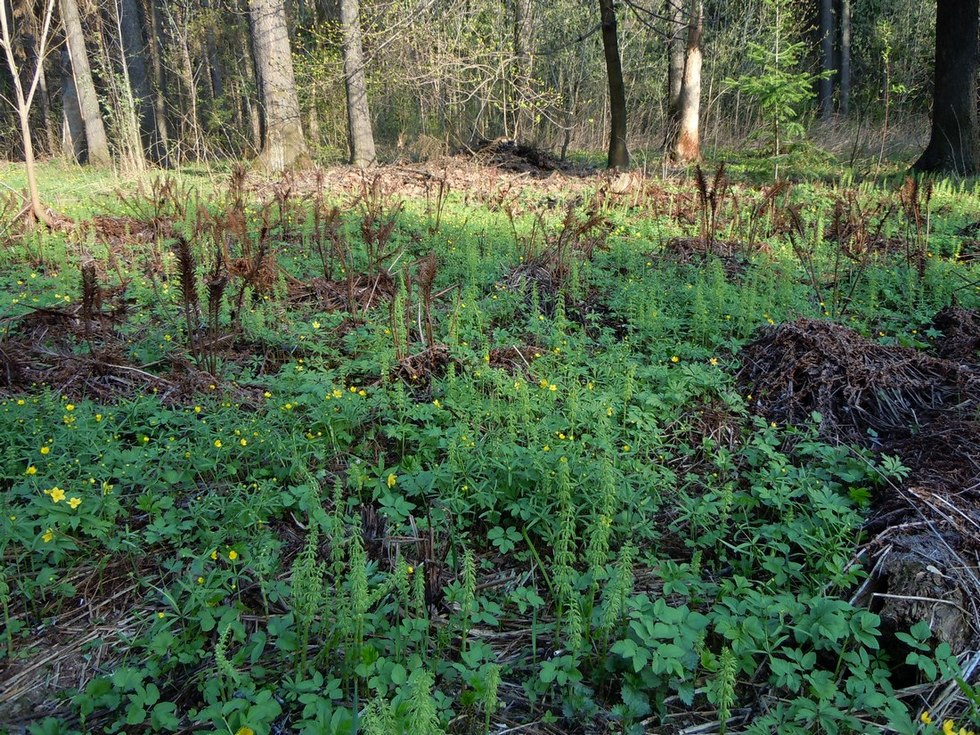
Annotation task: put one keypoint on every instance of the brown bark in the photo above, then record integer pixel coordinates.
(284, 145)
(97, 145)
(953, 145)
(618, 156)
(360, 131)
(686, 145)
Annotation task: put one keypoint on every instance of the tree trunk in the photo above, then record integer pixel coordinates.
(88, 102)
(618, 156)
(677, 52)
(161, 143)
(953, 145)
(360, 132)
(134, 50)
(73, 130)
(284, 145)
(845, 57)
(521, 65)
(686, 146)
(825, 97)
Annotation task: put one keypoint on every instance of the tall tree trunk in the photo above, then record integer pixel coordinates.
(161, 143)
(522, 64)
(284, 145)
(190, 125)
(953, 145)
(73, 130)
(134, 50)
(686, 145)
(360, 132)
(97, 144)
(618, 156)
(845, 57)
(825, 96)
(677, 52)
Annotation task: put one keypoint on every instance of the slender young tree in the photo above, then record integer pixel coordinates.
(676, 53)
(686, 144)
(25, 98)
(96, 143)
(359, 129)
(953, 145)
(845, 57)
(618, 156)
(826, 83)
(73, 127)
(284, 145)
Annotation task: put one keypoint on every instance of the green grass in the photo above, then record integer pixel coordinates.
(569, 515)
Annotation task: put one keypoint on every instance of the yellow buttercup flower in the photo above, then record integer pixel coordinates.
(75, 502)
(57, 494)
(949, 727)
(245, 731)
(713, 361)
(925, 717)
(675, 358)
(32, 470)
(392, 479)
(47, 536)
(45, 450)
(233, 555)
(217, 443)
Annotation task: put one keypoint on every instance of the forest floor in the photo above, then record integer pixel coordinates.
(494, 444)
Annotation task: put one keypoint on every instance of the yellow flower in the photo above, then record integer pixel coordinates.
(214, 555)
(70, 407)
(74, 502)
(543, 382)
(217, 443)
(362, 392)
(411, 570)
(32, 470)
(243, 442)
(949, 727)
(245, 731)
(316, 324)
(197, 409)
(675, 358)
(267, 394)
(98, 417)
(626, 447)
(552, 387)
(233, 555)
(47, 536)
(57, 494)
(713, 361)
(336, 393)
(45, 450)
(436, 403)
(547, 448)
(161, 615)
(392, 479)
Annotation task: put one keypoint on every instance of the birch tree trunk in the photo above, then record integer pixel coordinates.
(360, 132)
(97, 145)
(284, 145)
